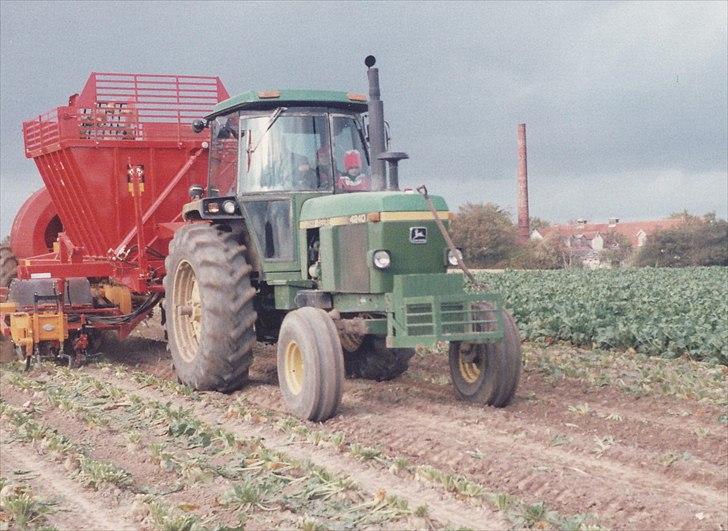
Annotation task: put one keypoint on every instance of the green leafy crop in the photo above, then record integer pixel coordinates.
(659, 312)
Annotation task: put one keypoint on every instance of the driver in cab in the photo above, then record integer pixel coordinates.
(353, 179)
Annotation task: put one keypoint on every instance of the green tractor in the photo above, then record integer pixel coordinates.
(303, 238)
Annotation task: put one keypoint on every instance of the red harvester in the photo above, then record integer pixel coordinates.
(117, 162)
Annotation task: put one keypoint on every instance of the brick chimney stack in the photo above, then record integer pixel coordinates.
(523, 218)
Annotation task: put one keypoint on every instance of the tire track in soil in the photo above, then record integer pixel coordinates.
(74, 508)
(202, 497)
(620, 487)
(441, 507)
(626, 486)
(535, 388)
(639, 445)
(521, 466)
(647, 424)
(568, 482)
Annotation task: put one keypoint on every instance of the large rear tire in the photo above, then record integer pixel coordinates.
(374, 361)
(209, 309)
(488, 373)
(310, 364)
(8, 271)
(8, 264)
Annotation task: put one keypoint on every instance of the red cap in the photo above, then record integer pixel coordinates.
(352, 159)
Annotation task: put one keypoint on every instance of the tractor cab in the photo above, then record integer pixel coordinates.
(289, 141)
(272, 151)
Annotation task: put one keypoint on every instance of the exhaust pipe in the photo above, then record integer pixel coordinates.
(376, 124)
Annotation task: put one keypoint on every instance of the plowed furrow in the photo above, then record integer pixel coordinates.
(441, 507)
(507, 464)
(73, 508)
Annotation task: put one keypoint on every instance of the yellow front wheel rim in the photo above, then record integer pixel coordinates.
(294, 367)
(470, 371)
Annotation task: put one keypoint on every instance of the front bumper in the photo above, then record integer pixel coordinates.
(426, 309)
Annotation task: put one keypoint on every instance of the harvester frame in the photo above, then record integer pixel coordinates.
(116, 163)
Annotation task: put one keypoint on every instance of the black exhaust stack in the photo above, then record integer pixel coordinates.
(377, 135)
(376, 123)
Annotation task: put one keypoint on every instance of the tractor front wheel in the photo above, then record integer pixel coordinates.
(488, 373)
(310, 364)
(209, 308)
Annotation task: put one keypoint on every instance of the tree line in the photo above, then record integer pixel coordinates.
(489, 238)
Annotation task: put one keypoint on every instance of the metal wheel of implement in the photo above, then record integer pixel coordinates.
(488, 373)
(209, 309)
(374, 361)
(310, 364)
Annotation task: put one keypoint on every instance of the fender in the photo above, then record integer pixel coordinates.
(36, 226)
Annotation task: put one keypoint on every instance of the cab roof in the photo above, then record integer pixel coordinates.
(290, 98)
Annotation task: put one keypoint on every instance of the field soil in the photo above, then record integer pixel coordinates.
(593, 440)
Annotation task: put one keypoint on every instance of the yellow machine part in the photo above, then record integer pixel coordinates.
(21, 331)
(27, 329)
(8, 307)
(49, 326)
(119, 295)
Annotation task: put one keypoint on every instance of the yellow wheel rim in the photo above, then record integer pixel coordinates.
(469, 370)
(294, 367)
(188, 309)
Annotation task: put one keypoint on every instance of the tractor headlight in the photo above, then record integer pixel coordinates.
(381, 259)
(229, 207)
(452, 258)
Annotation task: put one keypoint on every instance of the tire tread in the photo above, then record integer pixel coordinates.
(226, 348)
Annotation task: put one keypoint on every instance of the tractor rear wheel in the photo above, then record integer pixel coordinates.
(8, 264)
(8, 271)
(374, 361)
(209, 309)
(488, 373)
(310, 364)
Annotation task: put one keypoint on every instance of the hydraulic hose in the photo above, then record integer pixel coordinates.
(143, 308)
(422, 189)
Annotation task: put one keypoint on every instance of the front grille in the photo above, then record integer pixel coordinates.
(424, 309)
(455, 318)
(419, 320)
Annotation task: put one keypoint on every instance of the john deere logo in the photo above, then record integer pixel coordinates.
(418, 234)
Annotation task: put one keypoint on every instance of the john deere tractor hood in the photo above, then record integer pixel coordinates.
(363, 203)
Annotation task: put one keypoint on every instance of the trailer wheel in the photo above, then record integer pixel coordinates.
(310, 364)
(209, 309)
(488, 373)
(374, 361)
(8, 264)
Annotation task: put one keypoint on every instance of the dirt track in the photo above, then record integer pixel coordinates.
(567, 448)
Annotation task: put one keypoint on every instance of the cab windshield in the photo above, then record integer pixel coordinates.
(289, 149)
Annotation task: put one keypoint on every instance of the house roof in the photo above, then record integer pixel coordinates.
(630, 229)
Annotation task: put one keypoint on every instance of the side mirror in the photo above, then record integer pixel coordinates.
(199, 125)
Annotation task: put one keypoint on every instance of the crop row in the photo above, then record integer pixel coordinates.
(260, 479)
(658, 312)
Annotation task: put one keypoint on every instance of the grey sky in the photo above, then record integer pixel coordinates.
(626, 103)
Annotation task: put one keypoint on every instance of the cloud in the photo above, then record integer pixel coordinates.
(612, 92)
